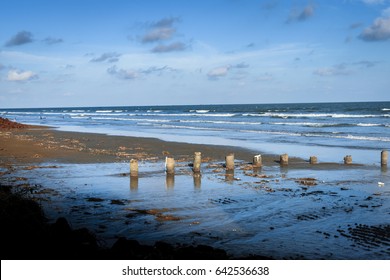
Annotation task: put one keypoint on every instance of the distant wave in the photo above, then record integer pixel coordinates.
(220, 122)
(199, 111)
(312, 115)
(191, 127)
(189, 114)
(322, 135)
(365, 138)
(311, 124)
(368, 124)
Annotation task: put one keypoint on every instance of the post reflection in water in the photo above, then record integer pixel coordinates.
(133, 183)
(170, 181)
(256, 170)
(229, 176)
(197, 180)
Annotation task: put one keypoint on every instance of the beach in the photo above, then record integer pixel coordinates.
(299, 211)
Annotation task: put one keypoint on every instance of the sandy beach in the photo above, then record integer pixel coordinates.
(40, 144)
(299, 211)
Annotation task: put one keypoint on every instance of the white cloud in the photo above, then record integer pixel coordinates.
(378, 31)
(301, 15)
(123, 74)
(107, 57)
(18, 75)
(337, 70)
(158, 34)
(160, 31)
(169, 48)
(218, 72)
(52, 40)
(21, 38)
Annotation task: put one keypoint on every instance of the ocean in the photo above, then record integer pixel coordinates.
(328, 130)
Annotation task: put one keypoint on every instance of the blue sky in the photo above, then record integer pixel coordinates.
(161, 52)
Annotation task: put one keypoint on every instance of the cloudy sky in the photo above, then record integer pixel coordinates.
(160, 52)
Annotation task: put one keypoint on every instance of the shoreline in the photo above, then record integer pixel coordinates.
(256, 208)
(33, 144)
(51, 145)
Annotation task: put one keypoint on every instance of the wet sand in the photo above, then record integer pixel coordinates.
(34, 144)
(40, 144)
(323, 211)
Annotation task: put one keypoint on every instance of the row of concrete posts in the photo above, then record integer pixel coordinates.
(229, 162)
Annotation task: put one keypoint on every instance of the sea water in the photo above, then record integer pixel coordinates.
(327, 130)
(344, 215)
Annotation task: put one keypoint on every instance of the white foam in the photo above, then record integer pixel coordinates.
(310, 124)
(301, 115)
(368, 124)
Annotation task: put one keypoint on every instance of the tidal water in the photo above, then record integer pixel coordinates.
(327, 130)
(284, 213)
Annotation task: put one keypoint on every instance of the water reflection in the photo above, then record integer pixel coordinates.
(253, 215)
(197, 180)
(170, 181)
(134, 183)
(229, 176)
(256, 170)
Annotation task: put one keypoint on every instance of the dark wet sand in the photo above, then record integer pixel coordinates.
(44, 144)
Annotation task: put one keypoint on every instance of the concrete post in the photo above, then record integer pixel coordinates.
(384, 157)
(170, 165)
(230, 161)
(313, 160)
(133, 168)
(348, 159)
(197, 162)
(257, 161)
(284, 159)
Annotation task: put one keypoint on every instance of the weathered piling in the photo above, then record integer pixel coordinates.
(348, 159)
(313, 160)
(284, 159)
(170, 165)
(257, 161)
(197, 162)
(384, 157)
(133, 168)
(229, 161)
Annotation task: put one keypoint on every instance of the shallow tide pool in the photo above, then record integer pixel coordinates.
(310, 213)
